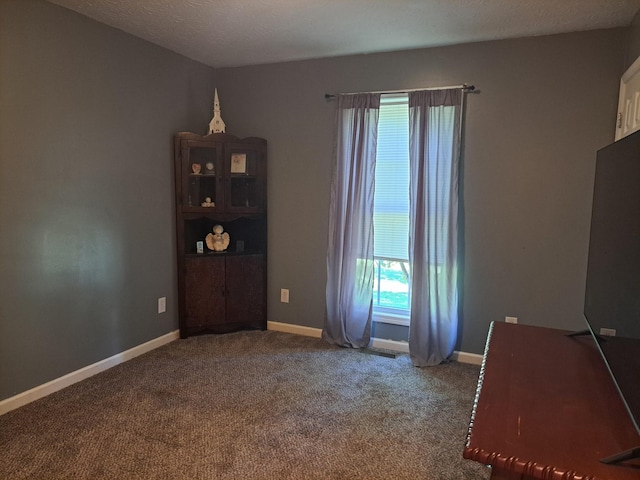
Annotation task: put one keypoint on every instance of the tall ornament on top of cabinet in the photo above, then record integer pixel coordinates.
(216, 125)
(220, 181)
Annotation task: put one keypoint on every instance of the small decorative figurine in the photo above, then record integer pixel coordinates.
(217, 241)
(196, 167)
(216, 125)
(210, 168)
(208, 203)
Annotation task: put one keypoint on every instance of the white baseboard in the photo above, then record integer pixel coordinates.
(48, 388)
(295, 329)
(393, 345)
(464, 357)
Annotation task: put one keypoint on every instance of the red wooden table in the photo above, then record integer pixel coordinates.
(547, 409)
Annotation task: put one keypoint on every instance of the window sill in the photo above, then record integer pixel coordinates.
(391, 318)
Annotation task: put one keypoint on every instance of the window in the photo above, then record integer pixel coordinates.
(392, 295)
(368, 220)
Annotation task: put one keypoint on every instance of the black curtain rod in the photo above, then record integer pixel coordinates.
(464, 87)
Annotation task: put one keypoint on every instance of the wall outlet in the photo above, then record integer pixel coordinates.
(609, 332)
(284, 295)
(162, 304)
(511, 319)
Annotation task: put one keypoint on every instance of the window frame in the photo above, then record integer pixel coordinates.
(382, 313)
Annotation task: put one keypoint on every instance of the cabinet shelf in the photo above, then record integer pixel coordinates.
(228, 253)
(202, 210)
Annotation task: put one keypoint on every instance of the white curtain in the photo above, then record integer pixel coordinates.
(350, 267)
(434, 150)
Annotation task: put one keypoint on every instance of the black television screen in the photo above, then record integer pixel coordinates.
(612, 294)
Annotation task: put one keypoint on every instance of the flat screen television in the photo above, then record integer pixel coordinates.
(612, 293)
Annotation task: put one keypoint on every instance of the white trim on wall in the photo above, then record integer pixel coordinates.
(465, 357)
(48, 388)
(295, 329)
(393, 345)
(45, 389)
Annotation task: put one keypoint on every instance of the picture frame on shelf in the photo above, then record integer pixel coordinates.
(238, 163)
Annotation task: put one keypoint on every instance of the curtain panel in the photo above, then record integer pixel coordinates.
(350, 264)
(434, 151)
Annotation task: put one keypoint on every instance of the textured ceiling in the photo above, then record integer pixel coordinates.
(224, 33)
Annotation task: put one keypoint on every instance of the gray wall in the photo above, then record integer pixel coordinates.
(87, 115)
(546, 105)
(633, 43)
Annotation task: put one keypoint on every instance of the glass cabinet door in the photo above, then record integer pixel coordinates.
(201, 177)
(245, 169)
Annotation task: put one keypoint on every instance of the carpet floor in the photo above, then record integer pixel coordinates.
(249, 405)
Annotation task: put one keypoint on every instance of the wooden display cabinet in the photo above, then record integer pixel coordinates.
(221, 180)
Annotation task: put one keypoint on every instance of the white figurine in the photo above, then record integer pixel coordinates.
(208, 203)
(216, 125)
(217, 240)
